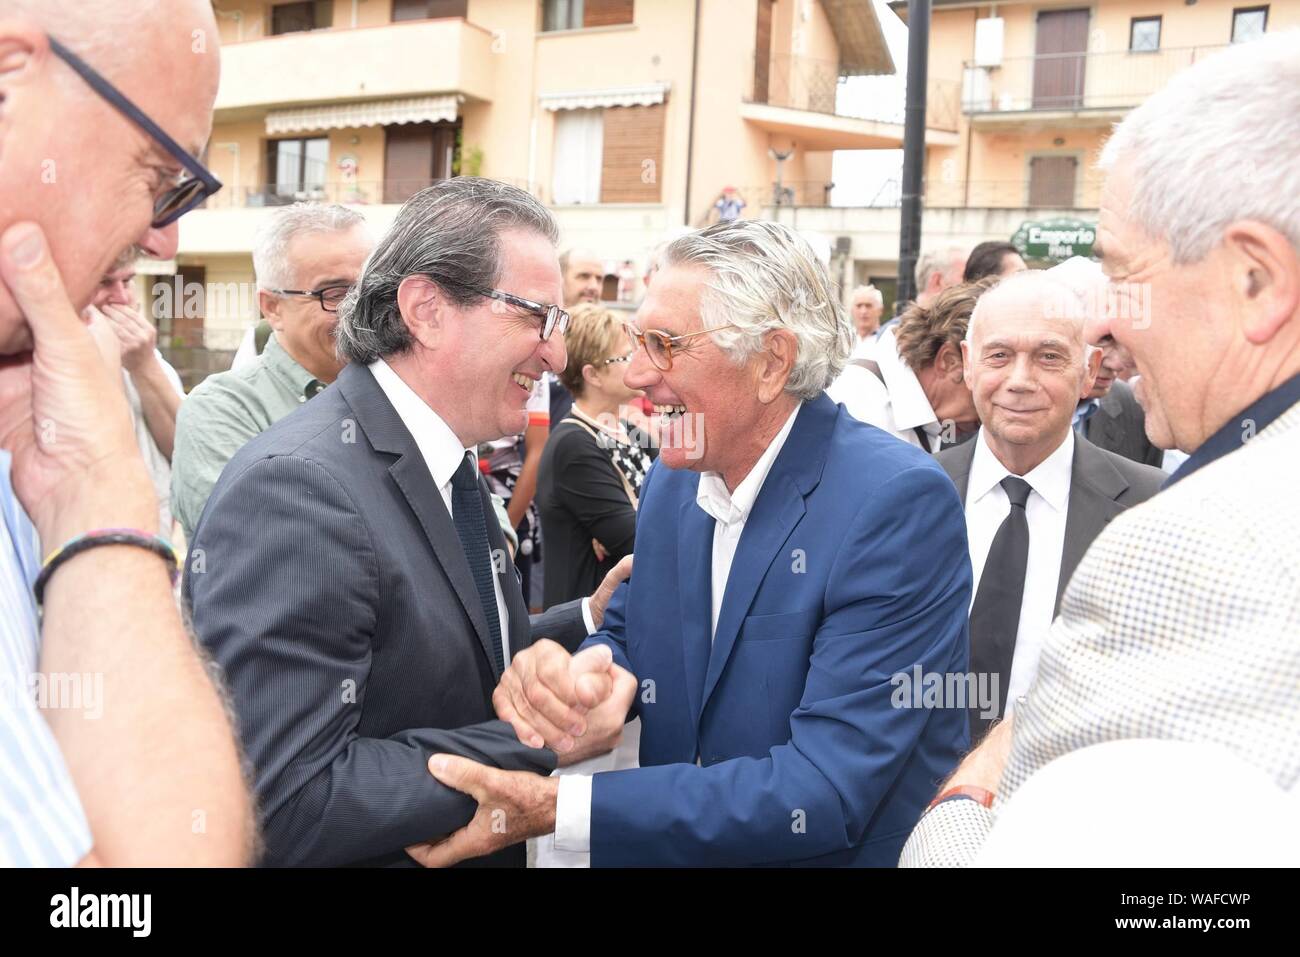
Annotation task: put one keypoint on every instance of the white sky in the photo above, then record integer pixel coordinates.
(872, 177)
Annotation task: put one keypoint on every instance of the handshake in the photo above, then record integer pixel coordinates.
(576, 705)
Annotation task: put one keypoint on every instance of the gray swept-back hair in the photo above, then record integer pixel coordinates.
(450, 229)
(271, 266)
(764, 276)
(1217, 144)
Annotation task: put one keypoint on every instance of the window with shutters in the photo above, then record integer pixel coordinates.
(583, 14)
(1052, 181)
(608, 156)
(297, 17)
(428, 9)
(417, 155)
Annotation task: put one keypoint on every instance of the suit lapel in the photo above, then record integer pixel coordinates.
(956, 461)
(1095, 484)
(776, 511)
(386, 433)
(694, 590)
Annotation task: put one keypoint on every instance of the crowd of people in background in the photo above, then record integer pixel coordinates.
(460, 532)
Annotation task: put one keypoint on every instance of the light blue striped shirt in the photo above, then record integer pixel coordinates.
(41, 820)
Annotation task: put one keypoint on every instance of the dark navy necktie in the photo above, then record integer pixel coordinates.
(467, 513)
(995, 615)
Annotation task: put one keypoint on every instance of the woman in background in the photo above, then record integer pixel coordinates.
(594, 463)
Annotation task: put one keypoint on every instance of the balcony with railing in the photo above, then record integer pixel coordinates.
(1097, 85)
(395, 60)
(810, 99)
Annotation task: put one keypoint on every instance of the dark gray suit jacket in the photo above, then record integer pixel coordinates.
(1119, 426)
(328, 581)
(1102, 484)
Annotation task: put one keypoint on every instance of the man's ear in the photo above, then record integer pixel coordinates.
(948, 362)
(23, 52)
(967, 367)
(775, 363)
(1091, 366)
(424, 309)
(1264, 272)
(269, 303)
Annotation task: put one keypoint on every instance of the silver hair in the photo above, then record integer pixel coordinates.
(1217, 144)
(936, 261)
(764, 276)
(451, 229)
(871, 291)
(1058, 298)
(272, 268)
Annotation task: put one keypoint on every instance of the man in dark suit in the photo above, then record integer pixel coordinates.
(1035, 492)
(1110, 417)
(347, 572)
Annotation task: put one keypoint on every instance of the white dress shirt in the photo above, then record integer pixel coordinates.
(898, 405)
(864, 347)
(730, 511)
(987, 506)
(442, 454)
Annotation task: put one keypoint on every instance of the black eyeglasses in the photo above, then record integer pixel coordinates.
(180, 198)
(613, 359)
(553, 317)
(329, 297)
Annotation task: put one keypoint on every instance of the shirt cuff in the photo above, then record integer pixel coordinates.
(586, 616)
(573, 814)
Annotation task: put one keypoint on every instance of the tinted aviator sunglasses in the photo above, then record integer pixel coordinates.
(184, 195)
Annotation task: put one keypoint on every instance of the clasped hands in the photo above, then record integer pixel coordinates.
(575, 705)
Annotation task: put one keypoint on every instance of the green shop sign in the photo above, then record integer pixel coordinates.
(1054, 239)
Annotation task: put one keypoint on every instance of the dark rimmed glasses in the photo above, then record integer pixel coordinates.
(553, 317)
(329, 297)
(658, 345)
(184, 195)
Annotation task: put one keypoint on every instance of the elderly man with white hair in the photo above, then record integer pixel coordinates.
(774, 610)
(1180, 622)
(1036, 494)
(124, 755)
(306, 258)
(866, 306)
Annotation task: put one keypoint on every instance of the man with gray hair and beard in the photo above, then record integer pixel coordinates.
(1179, 625)
(775, 613)
(347, 573)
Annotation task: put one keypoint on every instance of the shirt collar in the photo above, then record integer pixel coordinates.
(907, 399)
(442, 451)
(1050, 478)
(730, 508)
(1260, 414)
(286, 368)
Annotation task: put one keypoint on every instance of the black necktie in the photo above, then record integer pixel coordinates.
(467, 513)
(995, 615)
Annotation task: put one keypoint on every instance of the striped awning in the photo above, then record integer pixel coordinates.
(648, 95)
(338, 116)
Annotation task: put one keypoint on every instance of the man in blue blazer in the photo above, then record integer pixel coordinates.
(794, 569)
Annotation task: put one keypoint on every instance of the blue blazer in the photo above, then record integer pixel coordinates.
(852, 568)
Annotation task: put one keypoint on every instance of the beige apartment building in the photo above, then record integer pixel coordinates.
(627, 117)
(1041, 85)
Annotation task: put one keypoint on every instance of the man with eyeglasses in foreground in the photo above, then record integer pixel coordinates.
(353, 584)
(305, 259)
(776, 613)
(91, 163)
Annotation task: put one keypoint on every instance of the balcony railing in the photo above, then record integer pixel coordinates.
(1073, 81)
(803, 83)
